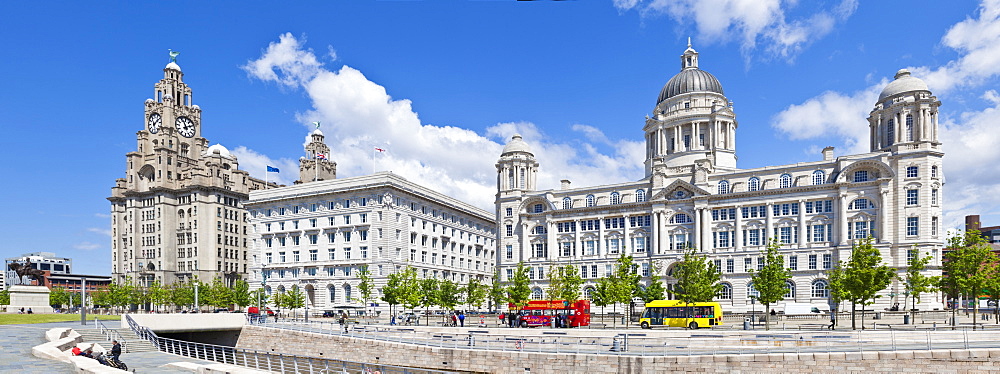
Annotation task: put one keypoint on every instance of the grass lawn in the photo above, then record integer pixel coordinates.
(17, 319)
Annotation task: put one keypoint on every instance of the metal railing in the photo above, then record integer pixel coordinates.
(111, 334)
(645, 343)
(264, 360)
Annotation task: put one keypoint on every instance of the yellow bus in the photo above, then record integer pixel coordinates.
(676, 313)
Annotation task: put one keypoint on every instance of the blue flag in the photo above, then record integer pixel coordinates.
(272, 169)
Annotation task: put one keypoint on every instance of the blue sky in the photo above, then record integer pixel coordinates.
(443, 84)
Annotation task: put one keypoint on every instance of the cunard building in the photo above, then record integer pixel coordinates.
(178, 213)
(694, 195)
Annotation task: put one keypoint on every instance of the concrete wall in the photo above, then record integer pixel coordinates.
(189, 322)
(343, 348)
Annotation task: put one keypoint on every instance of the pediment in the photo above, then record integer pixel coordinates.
(679, 190)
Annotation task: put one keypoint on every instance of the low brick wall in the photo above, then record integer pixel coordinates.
(353, 349)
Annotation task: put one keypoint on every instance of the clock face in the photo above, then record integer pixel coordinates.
(153, 122)
(185, 126)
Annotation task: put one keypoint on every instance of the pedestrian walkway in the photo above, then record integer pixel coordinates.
(16, 357)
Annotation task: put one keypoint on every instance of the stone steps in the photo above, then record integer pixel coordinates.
(134, 344)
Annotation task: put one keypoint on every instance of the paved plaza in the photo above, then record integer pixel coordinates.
(16, 357)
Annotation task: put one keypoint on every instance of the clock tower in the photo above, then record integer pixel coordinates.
(178, 214)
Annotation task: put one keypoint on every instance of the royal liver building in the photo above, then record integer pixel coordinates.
(694, 195)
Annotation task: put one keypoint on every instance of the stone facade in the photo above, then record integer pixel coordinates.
(174, 180)
(318, 235)
(694, 196)
(516, 362)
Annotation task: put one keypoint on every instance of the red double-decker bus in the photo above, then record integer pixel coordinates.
(541, 313)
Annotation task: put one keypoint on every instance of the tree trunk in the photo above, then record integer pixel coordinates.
(954, 313)
(854, 308)
(767, 316)
(975, 311)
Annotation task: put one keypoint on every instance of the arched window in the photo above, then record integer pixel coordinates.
(333, 293)
(640, 196)
(536, 293)
(934, 171)
(510, 179)
(785, 181)
(861, 203)
(680, 218)
(909, 127)
(522, 180)
(726, 293)
(752, 292)
(753, 184)
(723, 187)
(820, 289)
(616, 198)
(789, 290)
(567, 203)
(588, 293)
(591, 201)
(819, 177)
(347, 293)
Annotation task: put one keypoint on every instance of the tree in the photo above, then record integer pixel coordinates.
(555, 279)
(5, 297)
(428, 292)
(219, 295)
(697, 278)
(861, 278)
(448, 294)
(916, 282)
(259, 296)
(241, 295)
(392, 291)
(366, 286)
(769, 281)
(60, 297)
(475, 293)
(991, 270)
(158, 295)
(622, 285)
(602, 294)
(181, 294)
(409, 290)
(498, 292)
(571, 282)
(965, 265)
(654, 289)
(294, 298)
(518, 291)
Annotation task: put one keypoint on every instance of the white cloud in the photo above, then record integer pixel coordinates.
(831, 114)
(978, 42)
(972, 159)
(358, 115)
(87, 246)
(102, 231)
(751, 22)
(256, 164)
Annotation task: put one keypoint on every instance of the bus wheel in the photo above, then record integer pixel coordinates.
(693, 325)
(524, 324)
(645, 325)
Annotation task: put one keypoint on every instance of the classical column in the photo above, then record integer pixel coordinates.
(706, 231)
(768, 222)
(627, 246)
(802, 224)
(576, 240)
(550, 239)
(842, 228)
(697, 229)
(738, 234)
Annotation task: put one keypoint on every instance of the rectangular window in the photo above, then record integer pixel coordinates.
(510, 274)
(332, 253)
(639, 244)
(645, 269)
(510, 230)
(827, 261)
(934, 226)
(593, 271)
(747, 264)
(760, 263)
(911, 197)
(912, 226)
(793, 262)
(591, 247)
(613, 245)
(934, 196)
(510, 252)
(313, 254)
(812, 262)
(818, 233)
(730, 265)
(911, 171)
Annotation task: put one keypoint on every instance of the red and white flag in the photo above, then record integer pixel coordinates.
(379, 149)
(321, 156)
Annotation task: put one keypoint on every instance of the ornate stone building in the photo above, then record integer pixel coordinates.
(694, 195)
(178, 213)
(318, 235)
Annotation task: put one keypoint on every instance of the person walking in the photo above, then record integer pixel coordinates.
(461, 319)
(454, 319)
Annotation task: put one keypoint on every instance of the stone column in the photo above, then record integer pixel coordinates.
(842, 229)
(768, 222)
(802, 224)
(738, 234)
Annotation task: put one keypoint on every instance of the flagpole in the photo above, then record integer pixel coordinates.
(374, 154)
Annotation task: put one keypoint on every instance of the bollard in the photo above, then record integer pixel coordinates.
(746, 323)
(906, 319)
